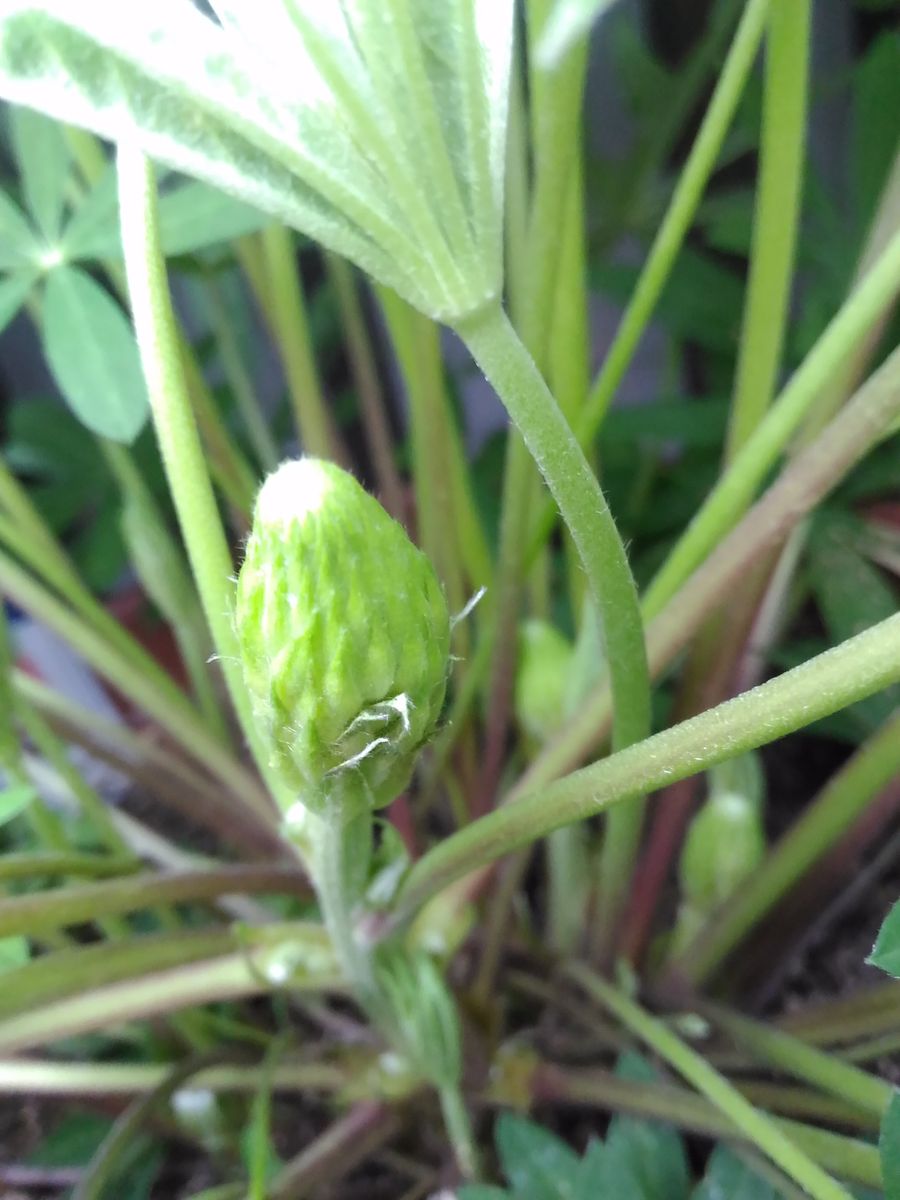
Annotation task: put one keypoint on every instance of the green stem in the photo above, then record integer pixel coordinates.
(291, 332)
(496, 348)
(735, 489)
(239, 381)
(843, 799)
(459, 1131)
(176, 430)
(848, 1157)
(506, 363)
(19, 1076)
(679, 215)
(163, 572)
(782, 157)
(780, 1050)
(858, 667)
(342, 846)
(368, 384)
(754, 1125)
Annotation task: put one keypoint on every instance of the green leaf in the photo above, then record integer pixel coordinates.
(644, 1160)
(591, 1173)
(378, 131)
(169, 77)
(18, 245)
(93, 228)
(538, 1165)
(728, 1178)
(194, 215)
(42, 154)
(481, 1191)
(567, 23)
(92, 352)
(14, 800)
(886, 951)
(889, 1149)
(13, 293)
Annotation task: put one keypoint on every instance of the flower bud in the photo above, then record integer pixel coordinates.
(344, 636)
(542, 678)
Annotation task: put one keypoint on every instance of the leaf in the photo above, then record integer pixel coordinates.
(591, 1173)
(13, 293)
(192, 216)
(728, 1178)
(886, 951)
(94, 357)
(195, 215)
(644, 1160)
(538, 1165)
(168, 77)
(481, 1191)
(18, 245)
(93, 228)
(889, 1149)
(14, 800)
(42, 154)
(567, 23)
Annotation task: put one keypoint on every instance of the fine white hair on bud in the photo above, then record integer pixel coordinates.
(344, 635)
(293, 491)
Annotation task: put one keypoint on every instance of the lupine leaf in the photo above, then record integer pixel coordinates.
(92, 352)
(43, 160)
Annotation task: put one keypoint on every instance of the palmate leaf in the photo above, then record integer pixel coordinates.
(246, 107)
(42, 156)
(91, 350)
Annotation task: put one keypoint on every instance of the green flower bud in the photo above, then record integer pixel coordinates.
(344, 636)
(726, 840)
(542, 678)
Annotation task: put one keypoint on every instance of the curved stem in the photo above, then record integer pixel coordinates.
(757, 1127)
(782, 158)
(176, 430)
(858, 667)
(505, 361)
(497, 349)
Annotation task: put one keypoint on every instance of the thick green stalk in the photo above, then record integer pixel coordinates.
(176, 430)
(843, 799)
(736, 488)
(780, 1050)
(754, 1125)
(782, 158)
(857, 668)
(291, 332)
(506, 363)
